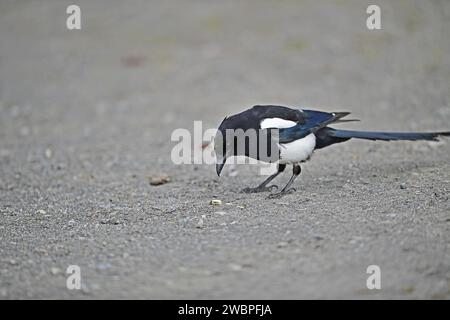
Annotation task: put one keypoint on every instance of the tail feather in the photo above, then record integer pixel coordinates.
(387, 136)
(346, 120)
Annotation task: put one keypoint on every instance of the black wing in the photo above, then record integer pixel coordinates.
(314, 121)
(251, 118)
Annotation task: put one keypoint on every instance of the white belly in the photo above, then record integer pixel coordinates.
(297, 151)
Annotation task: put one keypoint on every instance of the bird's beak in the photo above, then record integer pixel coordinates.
(219, 167)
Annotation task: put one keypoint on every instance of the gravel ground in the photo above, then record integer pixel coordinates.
(86, 118)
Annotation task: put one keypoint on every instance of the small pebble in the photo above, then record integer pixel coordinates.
(41, 251)
(103, 266)
(409, 290)
(282, 244)
(200, 224)
(403, 186)
(55, 271)
(159, 180)
(48, 153)
(235, 267)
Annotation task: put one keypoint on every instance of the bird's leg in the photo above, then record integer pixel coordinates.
(263, 186)
(296, 170)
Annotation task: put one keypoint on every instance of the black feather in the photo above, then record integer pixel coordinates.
(386, 136)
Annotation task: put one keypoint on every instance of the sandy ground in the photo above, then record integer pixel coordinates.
(86, 117)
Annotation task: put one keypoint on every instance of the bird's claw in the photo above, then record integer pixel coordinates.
(281, 194)
(260, 189)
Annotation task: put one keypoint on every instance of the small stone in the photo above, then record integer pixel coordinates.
(55, 271)
(159, 180)
(235, 267)
(103, 266)
(216, 202)
(48, 153)
(241, 207)
(403, 186)
(200, 224)
(41, 251)
(41, 211)
(409, 289)
(12, 262)
(282, 244)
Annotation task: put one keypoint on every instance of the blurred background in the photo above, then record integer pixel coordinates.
(86, 117)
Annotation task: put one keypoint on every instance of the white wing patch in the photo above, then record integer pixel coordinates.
(277, 123)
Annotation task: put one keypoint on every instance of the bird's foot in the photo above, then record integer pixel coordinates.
(260, 189)
(281, 194)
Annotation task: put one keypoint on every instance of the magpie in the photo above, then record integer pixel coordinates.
(292, 135)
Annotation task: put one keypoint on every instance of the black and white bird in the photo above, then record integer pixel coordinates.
(294, 134)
